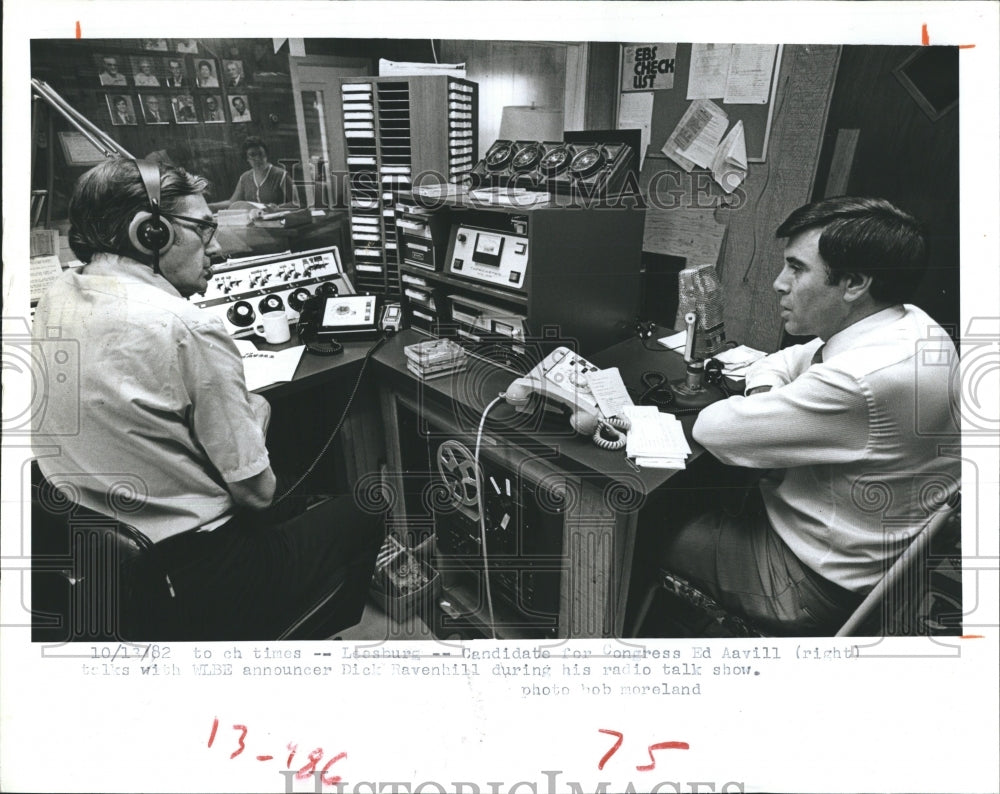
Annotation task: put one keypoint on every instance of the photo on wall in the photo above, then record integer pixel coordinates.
(186, 45)
(121, 110)
(144, 72)
(177, 74)
(110, 70)
(183, 105)
(239, 108)
(207, 74)
(235, 77)
(154, 109)
(211, 109)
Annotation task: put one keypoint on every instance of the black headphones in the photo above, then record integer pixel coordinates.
(147, 233)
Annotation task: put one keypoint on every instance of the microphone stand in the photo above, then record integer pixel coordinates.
(692, 392)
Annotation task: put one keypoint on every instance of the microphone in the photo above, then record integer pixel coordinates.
(691, 392)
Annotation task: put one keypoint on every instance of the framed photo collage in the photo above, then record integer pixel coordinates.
(173, 81)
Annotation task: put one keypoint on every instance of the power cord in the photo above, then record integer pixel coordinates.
(340, 423)
(482, 514)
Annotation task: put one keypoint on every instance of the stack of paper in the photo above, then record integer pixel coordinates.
(655, 440)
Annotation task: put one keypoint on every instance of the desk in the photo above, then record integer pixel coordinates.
(604, 492)
(396, 417)
(306, 409)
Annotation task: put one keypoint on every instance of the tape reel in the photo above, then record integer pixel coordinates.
(457, 467)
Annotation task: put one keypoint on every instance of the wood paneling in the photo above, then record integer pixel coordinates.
(509, 73)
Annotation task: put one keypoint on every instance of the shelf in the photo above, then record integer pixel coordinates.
(477, 287)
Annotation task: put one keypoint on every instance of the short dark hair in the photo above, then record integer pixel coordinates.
(107, 198)
(204, 63)
(866, 235)
(253, 142)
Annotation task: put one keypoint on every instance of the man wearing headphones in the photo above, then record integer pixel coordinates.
(169, 440)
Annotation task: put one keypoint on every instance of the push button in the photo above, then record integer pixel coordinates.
(457, 264)
(520, 247)
(515, 276)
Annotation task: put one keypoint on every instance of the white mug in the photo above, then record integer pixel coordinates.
(273, 326)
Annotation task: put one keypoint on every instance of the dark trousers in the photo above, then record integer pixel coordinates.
(252, 578)
(736, 557)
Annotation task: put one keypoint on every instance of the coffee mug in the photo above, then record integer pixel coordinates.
(273, 326)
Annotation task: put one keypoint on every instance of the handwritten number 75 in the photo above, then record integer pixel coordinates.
(642, 767)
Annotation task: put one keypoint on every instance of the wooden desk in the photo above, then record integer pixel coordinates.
(606, 491)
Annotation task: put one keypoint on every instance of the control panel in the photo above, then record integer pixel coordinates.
(492, 256)
(241, 289)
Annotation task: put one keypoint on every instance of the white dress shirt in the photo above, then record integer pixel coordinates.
(864, 443)
(161, 400)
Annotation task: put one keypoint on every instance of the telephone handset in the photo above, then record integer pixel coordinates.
(561, 378)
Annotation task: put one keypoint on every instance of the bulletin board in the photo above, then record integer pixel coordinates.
(670, 105)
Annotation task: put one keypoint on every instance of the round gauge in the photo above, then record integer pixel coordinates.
(272, 303)
(587, 162)
(527, 157)
(555, 160)
(298, 297)
(499, 155)
(241, 314)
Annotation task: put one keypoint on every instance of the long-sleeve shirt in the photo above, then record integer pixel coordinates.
(865, 444)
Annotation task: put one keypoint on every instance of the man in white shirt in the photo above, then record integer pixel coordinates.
(169, 440)
(857, 428)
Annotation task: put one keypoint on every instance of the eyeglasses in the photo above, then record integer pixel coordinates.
(206, 229)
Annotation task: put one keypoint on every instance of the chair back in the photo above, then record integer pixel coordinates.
(904, 586)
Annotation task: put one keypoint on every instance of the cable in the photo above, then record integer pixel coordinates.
(433, 51)
(340, 423)
(482, 514)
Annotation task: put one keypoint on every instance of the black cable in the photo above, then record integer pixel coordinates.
(340, 423)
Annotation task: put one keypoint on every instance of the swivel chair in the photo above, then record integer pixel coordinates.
(80, 574)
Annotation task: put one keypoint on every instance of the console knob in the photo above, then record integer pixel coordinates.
(298, 297)
(241, 314)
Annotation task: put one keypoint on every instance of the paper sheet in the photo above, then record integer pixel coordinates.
(729, 165)
(609, 390)
(737, 360)
(675, 341)
(635, 112)
(709, 70)
(750, 72)
(43, 271)
(264, 367)
(697, 135)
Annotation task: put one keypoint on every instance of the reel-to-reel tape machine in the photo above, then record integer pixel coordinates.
(585, 169)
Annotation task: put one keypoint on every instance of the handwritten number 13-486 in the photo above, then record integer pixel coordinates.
(306, 771)
(642, 767)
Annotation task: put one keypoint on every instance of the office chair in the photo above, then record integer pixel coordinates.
(920, 593)
(80, 566)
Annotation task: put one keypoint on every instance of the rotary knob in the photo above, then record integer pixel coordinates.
(298, 297)
(241, 314)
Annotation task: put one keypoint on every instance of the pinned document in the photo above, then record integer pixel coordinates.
(729, 166)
